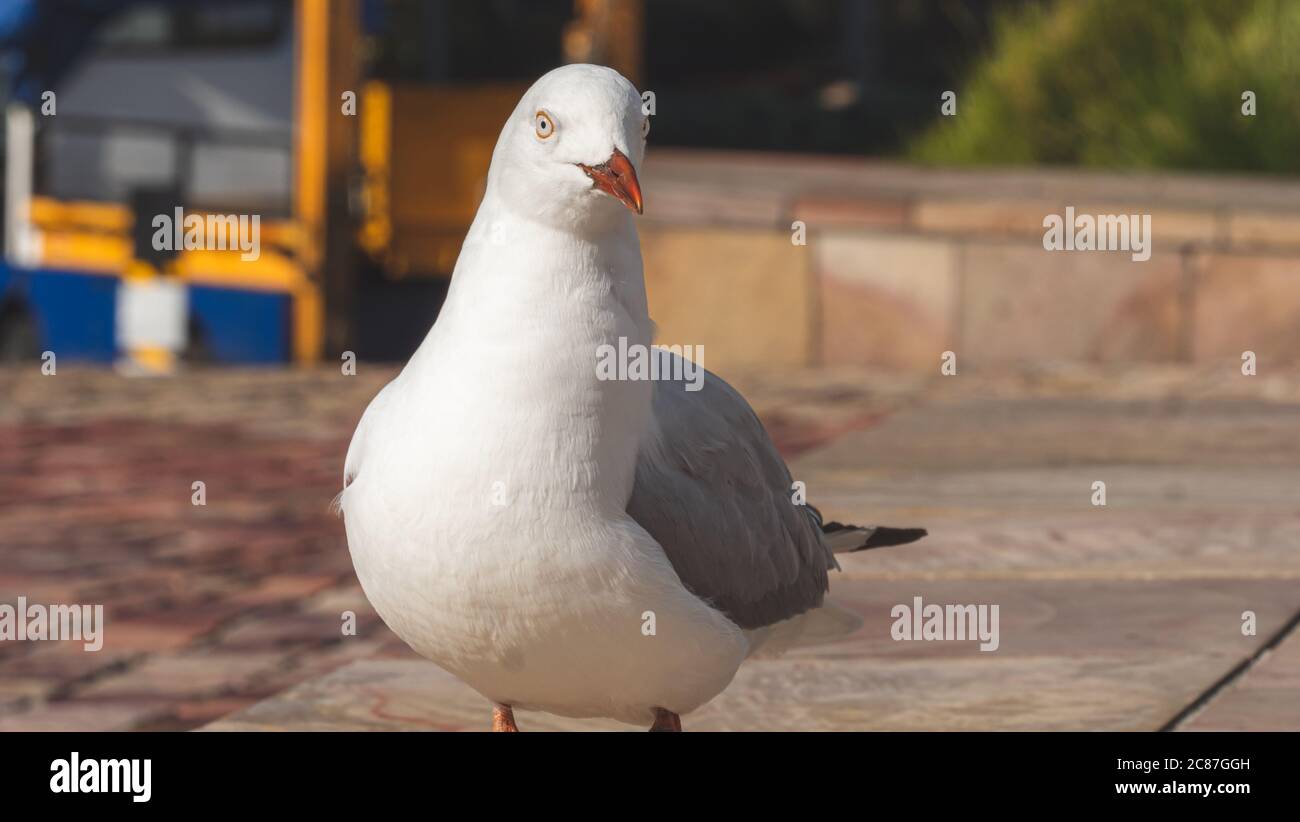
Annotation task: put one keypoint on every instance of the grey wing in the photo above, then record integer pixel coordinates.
(712, 489)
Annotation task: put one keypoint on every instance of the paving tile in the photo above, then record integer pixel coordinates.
(885, 301)
(1248, 303)
(1007, 492)
(1265, 698)
(154, 635)
(282, 587)
(83, 715)
(1079, 618)
(183, 716)
(983, 216)
(185, 675)
(685, 203)
(1267, 229)
(996, 433)
(61, 662)
(760, 276)
(822, 213)
(281, 631)
(1172, 228)
(16, 691)
(1022, 303)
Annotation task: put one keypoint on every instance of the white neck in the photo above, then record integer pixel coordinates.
(528, 307)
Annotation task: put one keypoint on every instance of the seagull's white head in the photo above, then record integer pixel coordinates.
(568, 156)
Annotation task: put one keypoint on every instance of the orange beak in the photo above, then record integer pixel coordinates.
(617, 178)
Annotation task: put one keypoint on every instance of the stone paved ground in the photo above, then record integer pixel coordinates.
(211, 608)
(208, 608)
(1126, 616)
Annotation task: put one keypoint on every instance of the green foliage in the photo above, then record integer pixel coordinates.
(1132, 84)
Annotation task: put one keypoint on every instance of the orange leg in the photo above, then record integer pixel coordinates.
(666, 721)
(503, 719)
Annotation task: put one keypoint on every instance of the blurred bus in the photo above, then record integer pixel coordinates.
(140, 109)
(126, 115)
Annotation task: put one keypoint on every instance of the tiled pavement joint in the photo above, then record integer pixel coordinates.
(1239, 671)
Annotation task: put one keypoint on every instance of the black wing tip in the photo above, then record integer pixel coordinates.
(882, 536)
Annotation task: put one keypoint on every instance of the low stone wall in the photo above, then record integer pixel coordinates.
(902, 264)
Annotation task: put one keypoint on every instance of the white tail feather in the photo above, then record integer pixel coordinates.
(847, 539)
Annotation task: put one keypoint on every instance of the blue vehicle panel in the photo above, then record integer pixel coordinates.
(74, 313)
(250, 327)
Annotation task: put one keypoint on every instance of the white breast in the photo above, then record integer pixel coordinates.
(486, 513)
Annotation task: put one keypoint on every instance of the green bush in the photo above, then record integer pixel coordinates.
(1132, 84)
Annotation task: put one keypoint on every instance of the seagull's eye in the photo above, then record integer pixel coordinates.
(645, 128)
(545, 125)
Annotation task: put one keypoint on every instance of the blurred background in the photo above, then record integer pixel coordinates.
(360, 133)
(841, 197)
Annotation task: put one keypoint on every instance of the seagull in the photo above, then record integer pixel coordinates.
(561, 541)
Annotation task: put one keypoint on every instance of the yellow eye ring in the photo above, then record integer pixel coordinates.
(545, 125)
